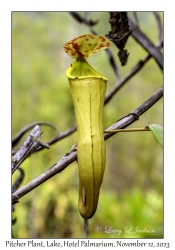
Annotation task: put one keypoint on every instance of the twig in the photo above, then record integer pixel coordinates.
(129, 119)
(17, 137)
(143, 40)
(159, 26)
(18, 181)
(60, 136)
(133, 71)
(55, 169)
(30, 145)
(127, 130)
(56, 138)
(80, 19)
(121, 83)
(72, 156)
(113, 64)
(136, 18)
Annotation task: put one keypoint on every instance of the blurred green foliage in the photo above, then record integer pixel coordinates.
(157, 132)
(132, 190)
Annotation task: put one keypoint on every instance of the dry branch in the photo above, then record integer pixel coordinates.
(29, 146)
(145, 42)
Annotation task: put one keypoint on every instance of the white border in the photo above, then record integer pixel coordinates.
(5, 97)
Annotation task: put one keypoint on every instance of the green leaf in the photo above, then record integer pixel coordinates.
(157, 131)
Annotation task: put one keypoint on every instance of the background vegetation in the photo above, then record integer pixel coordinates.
(132, 190)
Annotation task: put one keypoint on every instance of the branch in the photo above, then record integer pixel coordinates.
(136, 18)
(30, 145)
(55, 169)
(72, 155)
(113, 64)
(134, 70)
(159, 26)
(61, 136)
(144, 41)
(54, 139)
(121, 83)
(80, 19)
(134, 115)
(19, 135)
(18, 181)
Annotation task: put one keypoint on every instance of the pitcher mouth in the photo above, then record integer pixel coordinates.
(81, 69)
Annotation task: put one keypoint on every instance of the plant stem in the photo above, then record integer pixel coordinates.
(127, 130)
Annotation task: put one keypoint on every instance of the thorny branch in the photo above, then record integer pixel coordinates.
(72, 155)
